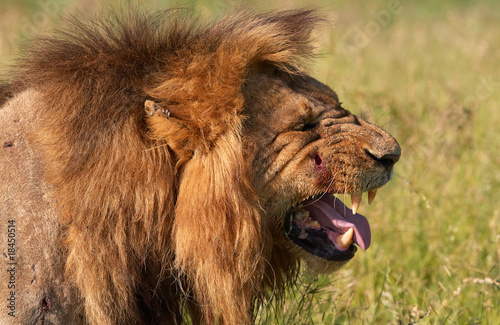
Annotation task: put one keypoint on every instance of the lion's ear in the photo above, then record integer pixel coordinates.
(162, 126)
(154, 109)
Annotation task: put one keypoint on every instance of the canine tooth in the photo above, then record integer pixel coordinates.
(345, 239)
(371, 196)
(355, 201)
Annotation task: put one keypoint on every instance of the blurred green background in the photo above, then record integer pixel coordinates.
(428, 72)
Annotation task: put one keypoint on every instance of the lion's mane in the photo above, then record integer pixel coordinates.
(159, 212)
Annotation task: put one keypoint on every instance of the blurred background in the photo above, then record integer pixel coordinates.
(427, 72)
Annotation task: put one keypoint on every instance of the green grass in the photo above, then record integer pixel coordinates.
(428, 74)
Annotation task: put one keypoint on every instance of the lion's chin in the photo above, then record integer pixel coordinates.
(314, 263)
(324, 232)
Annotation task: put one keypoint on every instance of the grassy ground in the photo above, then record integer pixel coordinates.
(427, 72)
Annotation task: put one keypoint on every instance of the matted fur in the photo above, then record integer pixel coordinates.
(139, 121)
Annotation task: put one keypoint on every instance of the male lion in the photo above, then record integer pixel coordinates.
(154, 168)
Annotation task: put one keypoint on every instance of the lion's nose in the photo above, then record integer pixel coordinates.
(380, 145)
(386, 155)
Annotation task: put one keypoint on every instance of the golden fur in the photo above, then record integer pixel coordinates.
(153, 134)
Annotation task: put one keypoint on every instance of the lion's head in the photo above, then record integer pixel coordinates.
(304, 147)
(198, 162)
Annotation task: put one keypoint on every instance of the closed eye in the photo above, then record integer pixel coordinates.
(308, 126)
(304, 126)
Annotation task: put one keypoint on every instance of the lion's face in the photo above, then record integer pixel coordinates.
(304, 147)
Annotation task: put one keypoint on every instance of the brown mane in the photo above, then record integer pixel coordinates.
(5, 92)
(128, 192)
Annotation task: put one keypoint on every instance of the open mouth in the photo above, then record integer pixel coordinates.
(325, 227)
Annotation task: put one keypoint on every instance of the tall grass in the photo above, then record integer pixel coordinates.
(429, 78)
(427, 72)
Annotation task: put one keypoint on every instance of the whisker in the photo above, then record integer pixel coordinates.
(322, 194)
(345, 193)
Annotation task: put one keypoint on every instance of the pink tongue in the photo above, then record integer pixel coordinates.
(331, 213)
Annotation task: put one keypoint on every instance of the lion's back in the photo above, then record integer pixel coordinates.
(31, 230)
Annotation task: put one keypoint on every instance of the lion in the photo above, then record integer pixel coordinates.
(156, 168)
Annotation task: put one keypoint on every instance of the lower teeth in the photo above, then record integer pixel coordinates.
(344, 240)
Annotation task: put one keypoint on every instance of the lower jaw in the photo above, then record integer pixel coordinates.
(313, 263)
(317, 244)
